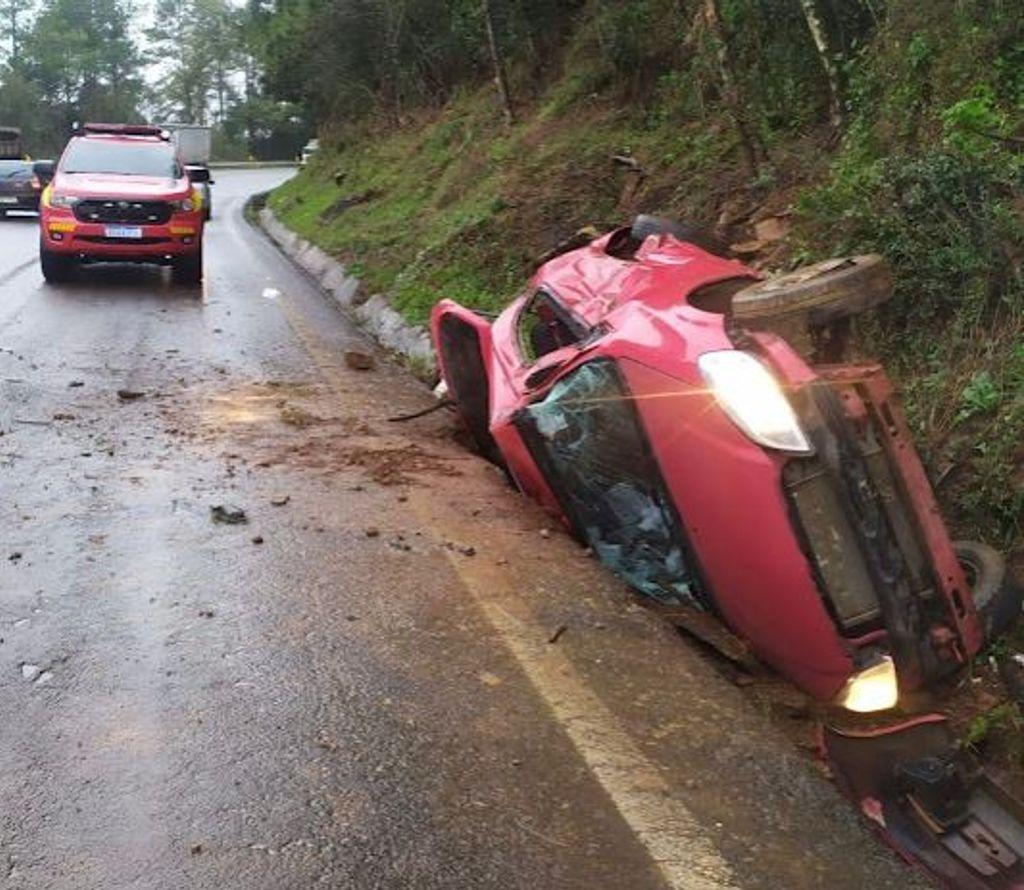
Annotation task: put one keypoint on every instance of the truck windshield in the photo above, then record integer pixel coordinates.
(155, 159)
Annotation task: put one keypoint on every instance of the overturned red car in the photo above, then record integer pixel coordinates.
(692, 424)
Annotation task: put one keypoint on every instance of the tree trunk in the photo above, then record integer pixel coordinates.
(500, 76)
(821, 42)
(750, 143)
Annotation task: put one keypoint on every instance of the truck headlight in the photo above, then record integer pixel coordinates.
(66, 201)
(872, 689)
(751, 397)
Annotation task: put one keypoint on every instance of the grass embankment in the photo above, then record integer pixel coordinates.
(456, 204)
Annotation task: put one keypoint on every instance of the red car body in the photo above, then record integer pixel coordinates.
(119, 194)
(806, 594)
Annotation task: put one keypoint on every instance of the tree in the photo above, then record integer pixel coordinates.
(13, 14)
(498, 63)
(819, 34)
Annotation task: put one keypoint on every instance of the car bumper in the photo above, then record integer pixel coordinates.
(182, 236)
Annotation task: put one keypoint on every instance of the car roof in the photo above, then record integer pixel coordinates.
(663, 272)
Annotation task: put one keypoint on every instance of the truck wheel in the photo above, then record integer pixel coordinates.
(56, 268)
(997, 597)
(188, 270)
(823, 293)
(645, 225)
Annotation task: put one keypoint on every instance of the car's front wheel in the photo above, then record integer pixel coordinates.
(188, 270)
(56, 268)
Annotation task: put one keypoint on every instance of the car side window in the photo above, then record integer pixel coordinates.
(544, 326)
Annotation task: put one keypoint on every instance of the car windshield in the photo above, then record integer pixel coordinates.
(155, 159)
(14, 169)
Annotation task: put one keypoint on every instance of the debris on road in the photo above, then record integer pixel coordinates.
(206, 613)
(15, 556)
(298, 417)
(258, 539)
(129, 395)
(359, 361)
(75, 384)
(228, 515)
(280, 500)
(557, 635)
(373, 532)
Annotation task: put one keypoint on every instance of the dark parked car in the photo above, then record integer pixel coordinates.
(19, 187)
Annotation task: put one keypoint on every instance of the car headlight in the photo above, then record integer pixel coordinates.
(186, 205)
(752, 398)
(65, 201)
(872, 689)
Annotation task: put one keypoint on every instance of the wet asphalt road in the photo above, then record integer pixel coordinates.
(355, 689)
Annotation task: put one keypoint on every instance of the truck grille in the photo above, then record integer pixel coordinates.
(142, 213)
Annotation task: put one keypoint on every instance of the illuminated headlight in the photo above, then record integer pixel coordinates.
(65, 201)
(751, 397)
(872, 689)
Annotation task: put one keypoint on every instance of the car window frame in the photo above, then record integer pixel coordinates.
(579, 330)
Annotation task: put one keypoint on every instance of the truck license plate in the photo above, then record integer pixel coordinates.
(124, 231)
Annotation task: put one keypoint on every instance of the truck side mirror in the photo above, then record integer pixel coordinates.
(44, 171)
(197, 174)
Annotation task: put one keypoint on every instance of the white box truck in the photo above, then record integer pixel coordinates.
(194, 143)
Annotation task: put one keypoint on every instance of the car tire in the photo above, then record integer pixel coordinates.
(188, 270)
(997, 596)
(56, 268)
(821, 294)
(644, 226)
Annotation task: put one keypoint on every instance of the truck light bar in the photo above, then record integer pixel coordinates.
(125, 130)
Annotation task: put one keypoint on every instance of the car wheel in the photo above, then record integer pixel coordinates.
(644, 226)
(822, 293)
(188, 270)
(997, 596)
(56, 268)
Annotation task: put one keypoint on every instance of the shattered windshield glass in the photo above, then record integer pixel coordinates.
(587, 438)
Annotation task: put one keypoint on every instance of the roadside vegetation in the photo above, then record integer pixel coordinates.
(795, 128)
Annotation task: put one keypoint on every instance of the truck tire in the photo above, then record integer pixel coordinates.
(822, 293)
(997, 596)
(188, 270)
(56, 268)
(645, 225)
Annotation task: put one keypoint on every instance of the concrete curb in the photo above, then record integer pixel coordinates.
(375, 315)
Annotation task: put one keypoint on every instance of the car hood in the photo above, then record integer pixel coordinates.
(112, 185)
